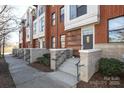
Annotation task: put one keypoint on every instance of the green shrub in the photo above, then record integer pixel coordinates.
(46, 55)
(45, 59)
(110, 67)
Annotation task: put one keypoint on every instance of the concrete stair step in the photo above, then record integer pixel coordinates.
(69, 66)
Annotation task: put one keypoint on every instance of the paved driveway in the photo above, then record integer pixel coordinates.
(25, 76)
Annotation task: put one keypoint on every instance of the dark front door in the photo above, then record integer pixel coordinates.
(88, 41)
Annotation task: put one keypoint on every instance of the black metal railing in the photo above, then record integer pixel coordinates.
(78, 73)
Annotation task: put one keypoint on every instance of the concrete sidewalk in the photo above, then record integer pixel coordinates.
(25, 76)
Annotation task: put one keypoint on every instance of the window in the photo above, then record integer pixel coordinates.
(62, 14)
(77, 10)
(41, 10)
(35, 27)
(42, 24)
(62, 41)
(53, 42)
(116, 29)
(53, 19)
(81, 10)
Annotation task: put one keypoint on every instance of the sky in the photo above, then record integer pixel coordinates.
(19, 12)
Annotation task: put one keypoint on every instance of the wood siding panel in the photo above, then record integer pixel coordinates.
(73, 40)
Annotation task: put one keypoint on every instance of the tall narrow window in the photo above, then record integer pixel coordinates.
(42, 24)
(116, 29)
(41, 10)
(62, 41)
(53, 18)
(77, 10)
(62, 14)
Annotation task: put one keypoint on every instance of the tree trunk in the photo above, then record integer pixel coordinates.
(3, 46)
(0, 47)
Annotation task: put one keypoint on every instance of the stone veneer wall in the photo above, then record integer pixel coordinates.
(37, 52)
(15, 52)
(21, 53)
(112, 50)
(58, 56)
(89, 61)
(27, 54)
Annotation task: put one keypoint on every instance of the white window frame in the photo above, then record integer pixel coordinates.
(62, 41)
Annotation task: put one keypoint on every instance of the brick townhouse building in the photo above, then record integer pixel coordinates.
(55, 34)
(82, 27)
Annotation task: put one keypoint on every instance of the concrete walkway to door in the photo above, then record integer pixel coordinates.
(25, 76)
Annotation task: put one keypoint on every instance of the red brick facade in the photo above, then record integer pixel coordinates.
(23, 44)
(106, 12)
(53, 31)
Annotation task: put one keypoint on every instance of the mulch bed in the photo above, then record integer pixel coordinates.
(99, 81)
(6, 80)
(41, 67)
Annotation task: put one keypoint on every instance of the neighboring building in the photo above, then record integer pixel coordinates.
(109, 33)
(94, 26)
(77, 27)
(22, 35)
(26, 31)
(39, 27)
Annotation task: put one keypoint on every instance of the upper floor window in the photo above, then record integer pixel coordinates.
(62, 14)
(53, 18)
(116, 29)
(77, 10)
(35, 27)
(41, 10)
(42, 24)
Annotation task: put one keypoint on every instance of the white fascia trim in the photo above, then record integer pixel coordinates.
(92, 16)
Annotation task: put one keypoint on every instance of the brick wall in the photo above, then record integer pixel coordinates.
(53, 31)
(106, 12)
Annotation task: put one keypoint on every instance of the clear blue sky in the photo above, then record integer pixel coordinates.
(19, 12)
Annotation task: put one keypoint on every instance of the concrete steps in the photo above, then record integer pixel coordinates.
(69, 66)
(66, 74)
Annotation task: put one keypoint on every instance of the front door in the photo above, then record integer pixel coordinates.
(88, 38)
(88, 41)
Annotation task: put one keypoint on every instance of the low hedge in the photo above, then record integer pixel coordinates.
(110, 66)
(45, 59)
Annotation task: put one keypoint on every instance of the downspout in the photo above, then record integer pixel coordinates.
(57, 26)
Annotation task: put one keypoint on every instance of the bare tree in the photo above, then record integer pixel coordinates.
(8, 23)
